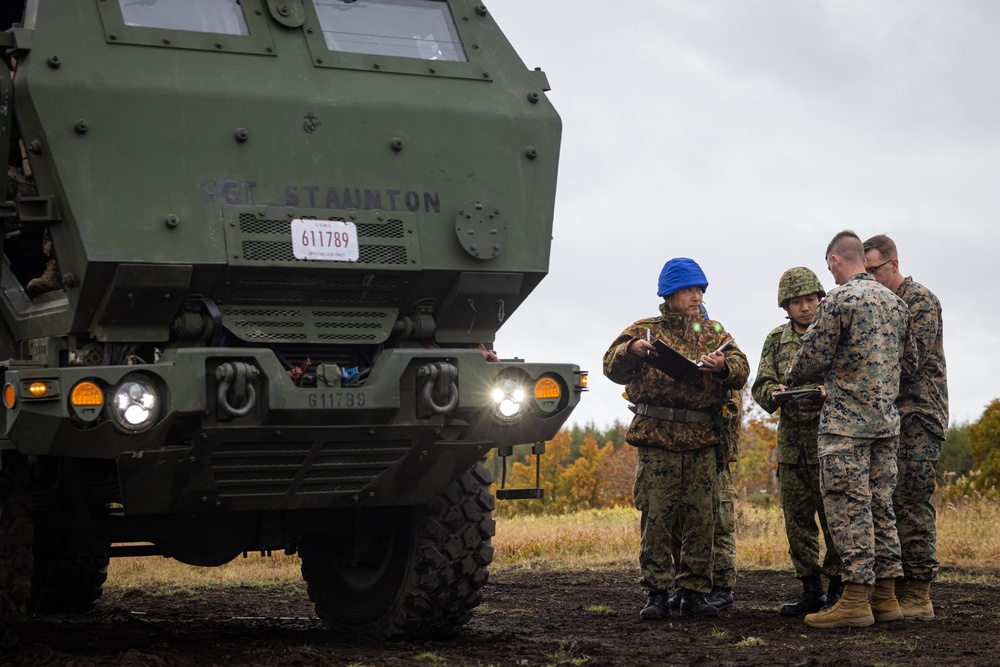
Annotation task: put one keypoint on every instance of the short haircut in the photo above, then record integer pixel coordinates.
(848, 246)
(886, 247)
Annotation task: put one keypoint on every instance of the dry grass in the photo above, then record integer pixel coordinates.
(968, 548)
(172, 576)
(605, 539)
(600, 539)
(969, 539)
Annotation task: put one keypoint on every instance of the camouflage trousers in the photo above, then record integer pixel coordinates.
(857, 477)
(724, 541)
(675, 493)
(915, 515)
(724, 538)
(801, 502)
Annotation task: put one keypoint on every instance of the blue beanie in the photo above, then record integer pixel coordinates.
(678, 273)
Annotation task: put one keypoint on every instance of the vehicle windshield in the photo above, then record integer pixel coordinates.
(409, 28)
(215, 16)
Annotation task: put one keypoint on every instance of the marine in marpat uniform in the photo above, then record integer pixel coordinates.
(860, 343)
(923, 415)
(799, 294)
(678, 428)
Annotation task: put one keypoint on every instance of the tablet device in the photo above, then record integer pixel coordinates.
(795, 394)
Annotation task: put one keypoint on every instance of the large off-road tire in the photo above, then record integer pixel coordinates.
(425, 578)
(16, 540)
(68, 583)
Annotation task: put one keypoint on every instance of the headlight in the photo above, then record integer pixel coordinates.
(135, 405)
(508, 399)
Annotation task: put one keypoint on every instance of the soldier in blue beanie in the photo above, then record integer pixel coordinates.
(680, 432)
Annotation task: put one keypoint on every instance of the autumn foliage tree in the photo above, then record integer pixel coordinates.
(599, 476)
(754, 475)
(984, 444)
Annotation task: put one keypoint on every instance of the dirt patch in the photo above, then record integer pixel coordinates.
(527, 618)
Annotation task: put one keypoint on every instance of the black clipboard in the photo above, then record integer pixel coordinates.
(675, 364)
(670, 361)
(795, 394)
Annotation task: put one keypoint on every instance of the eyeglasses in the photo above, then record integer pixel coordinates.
(873, 269)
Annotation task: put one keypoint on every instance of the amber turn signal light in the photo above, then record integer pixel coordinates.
(547, 388)
(86, 393)
(9, 396)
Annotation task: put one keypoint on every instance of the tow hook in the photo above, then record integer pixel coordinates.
(236, 395)
(439, 393)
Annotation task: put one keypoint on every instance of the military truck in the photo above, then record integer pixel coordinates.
(255, 256)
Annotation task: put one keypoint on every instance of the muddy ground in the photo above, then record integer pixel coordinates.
(527, 619)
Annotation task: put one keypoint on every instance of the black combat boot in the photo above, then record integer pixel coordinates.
(834, 591)
(694, 604)
(657, 607)
(675, 601)
(813, 598)
(720, 598)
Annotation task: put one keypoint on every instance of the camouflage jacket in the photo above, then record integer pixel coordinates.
(925, 393)
(799, 422)
(692, 336)
(860, 340)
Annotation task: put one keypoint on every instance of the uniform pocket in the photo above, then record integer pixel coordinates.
(919, 484)
(639, 492)
(726, 520)
(834, 473)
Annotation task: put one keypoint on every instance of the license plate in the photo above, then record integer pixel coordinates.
(326, 240)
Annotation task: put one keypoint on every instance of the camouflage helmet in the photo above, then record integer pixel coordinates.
(799, 281)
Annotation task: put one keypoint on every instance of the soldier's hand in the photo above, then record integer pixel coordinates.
(641, 348)
(714, 363)
(818, 400)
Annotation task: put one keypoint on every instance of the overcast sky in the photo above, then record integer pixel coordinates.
(745, 134)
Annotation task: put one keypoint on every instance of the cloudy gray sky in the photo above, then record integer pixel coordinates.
(746, 133)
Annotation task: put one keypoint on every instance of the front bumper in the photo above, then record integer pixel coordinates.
(296, 448)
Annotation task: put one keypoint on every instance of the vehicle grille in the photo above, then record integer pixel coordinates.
(290, 468)
(266, 295)
(281, 324)
(270, 241)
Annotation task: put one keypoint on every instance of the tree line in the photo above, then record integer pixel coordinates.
(586, 467)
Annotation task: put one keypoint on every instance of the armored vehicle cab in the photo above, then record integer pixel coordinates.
(255, 256)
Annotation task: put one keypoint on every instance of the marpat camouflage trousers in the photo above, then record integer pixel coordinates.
(801, 502)
(676, 492)
(857, 478)
(915, 515)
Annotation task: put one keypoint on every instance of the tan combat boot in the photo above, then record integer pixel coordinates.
(900, 589)
(885, 606)
(916, 605)
(852, 611)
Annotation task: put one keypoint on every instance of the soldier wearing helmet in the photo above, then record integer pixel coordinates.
(798, 282)
(799, 294)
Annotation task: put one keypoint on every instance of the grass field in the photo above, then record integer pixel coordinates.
(968, 548)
